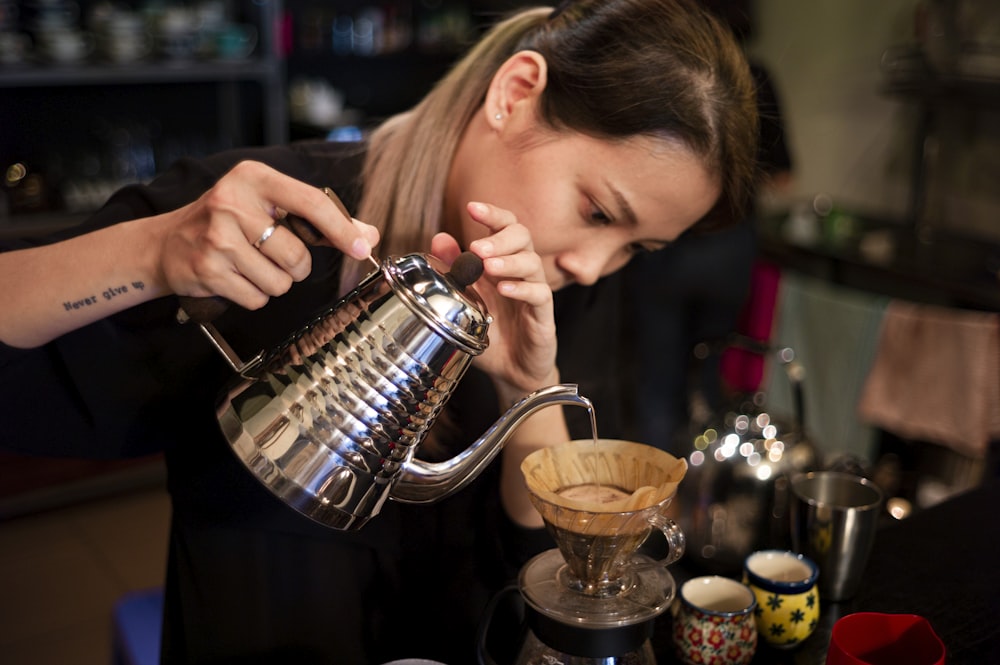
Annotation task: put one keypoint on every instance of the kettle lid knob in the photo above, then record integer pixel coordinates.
(466, 269)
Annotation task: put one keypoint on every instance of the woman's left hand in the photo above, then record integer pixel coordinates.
(521, 356)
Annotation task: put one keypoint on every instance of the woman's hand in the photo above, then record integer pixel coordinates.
(229, 242)
(521, 356)
(211, 247)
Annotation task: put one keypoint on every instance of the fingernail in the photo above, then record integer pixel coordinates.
(360, 249)
(478, 209)
(482, 247)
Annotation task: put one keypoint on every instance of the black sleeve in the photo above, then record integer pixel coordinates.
(97, 392)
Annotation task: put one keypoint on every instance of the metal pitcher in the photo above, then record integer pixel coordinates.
(734, 498)
(330, 421)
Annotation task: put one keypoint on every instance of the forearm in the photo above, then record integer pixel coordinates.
(51, 290)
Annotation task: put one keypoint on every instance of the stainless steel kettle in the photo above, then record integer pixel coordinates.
(330, 421)
(735, 497)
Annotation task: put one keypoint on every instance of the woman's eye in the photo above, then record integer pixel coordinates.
(644, 247)
(598, 216)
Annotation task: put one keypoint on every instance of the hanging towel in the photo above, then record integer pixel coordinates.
(834, 333)
(936, 377)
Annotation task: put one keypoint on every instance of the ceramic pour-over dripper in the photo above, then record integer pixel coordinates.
(600, 500)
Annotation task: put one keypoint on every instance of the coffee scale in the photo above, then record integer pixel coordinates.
(594, 599)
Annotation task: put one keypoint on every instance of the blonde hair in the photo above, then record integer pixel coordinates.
(615, 68)
(409, 155)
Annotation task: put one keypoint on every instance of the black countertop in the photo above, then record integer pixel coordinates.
(942, 563)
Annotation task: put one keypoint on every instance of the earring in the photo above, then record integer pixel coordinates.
(498, 116)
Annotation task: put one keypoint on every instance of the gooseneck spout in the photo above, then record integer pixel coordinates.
(427, 482)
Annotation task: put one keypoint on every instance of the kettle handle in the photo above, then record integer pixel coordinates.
(205, 310)
(482, 633)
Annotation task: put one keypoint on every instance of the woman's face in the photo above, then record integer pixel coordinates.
(589, 204)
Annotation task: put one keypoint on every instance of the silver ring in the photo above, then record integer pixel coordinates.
(264, 236)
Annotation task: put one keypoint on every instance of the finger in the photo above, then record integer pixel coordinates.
(370, 233)
(445, 247)
(285, 251)
(316, 207)
(508, 240)
(218, 276)
(268, 238)
(262, 271)
(537, 294)
(523, 265)
(271, 262)
(244, 293)
(278, 193)
(265, 235)
(491, 216)
(507, 235)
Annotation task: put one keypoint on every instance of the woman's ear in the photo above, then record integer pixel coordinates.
(516, 88)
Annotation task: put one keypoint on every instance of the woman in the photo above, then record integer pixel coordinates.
(566, 141)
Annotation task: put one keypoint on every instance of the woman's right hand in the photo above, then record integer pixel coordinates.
(205, 248)
(208, 247)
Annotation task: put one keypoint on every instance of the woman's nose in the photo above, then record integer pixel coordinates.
(588, 265)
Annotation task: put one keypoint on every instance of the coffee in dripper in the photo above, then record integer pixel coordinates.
(595, 597)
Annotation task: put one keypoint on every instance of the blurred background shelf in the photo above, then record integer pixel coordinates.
(141, 73)
(891, 259)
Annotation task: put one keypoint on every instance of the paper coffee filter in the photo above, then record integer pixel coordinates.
(650, 474)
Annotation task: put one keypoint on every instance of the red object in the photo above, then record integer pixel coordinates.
(874, 638)
(743, 370)
(284, 41)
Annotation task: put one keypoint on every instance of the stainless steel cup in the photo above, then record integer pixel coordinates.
(833, 520)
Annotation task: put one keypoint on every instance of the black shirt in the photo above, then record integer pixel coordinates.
(250, 580)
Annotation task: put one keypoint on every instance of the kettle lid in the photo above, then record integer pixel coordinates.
(443, 299)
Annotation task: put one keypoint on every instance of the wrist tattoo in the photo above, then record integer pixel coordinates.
(109, 294)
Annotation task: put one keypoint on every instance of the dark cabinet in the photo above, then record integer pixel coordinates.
(954, 162)
(77, 124)
(949, 76)
(79, 119)
(381, 57)
(945, 251)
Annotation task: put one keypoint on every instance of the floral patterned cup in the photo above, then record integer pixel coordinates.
(714, 624)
